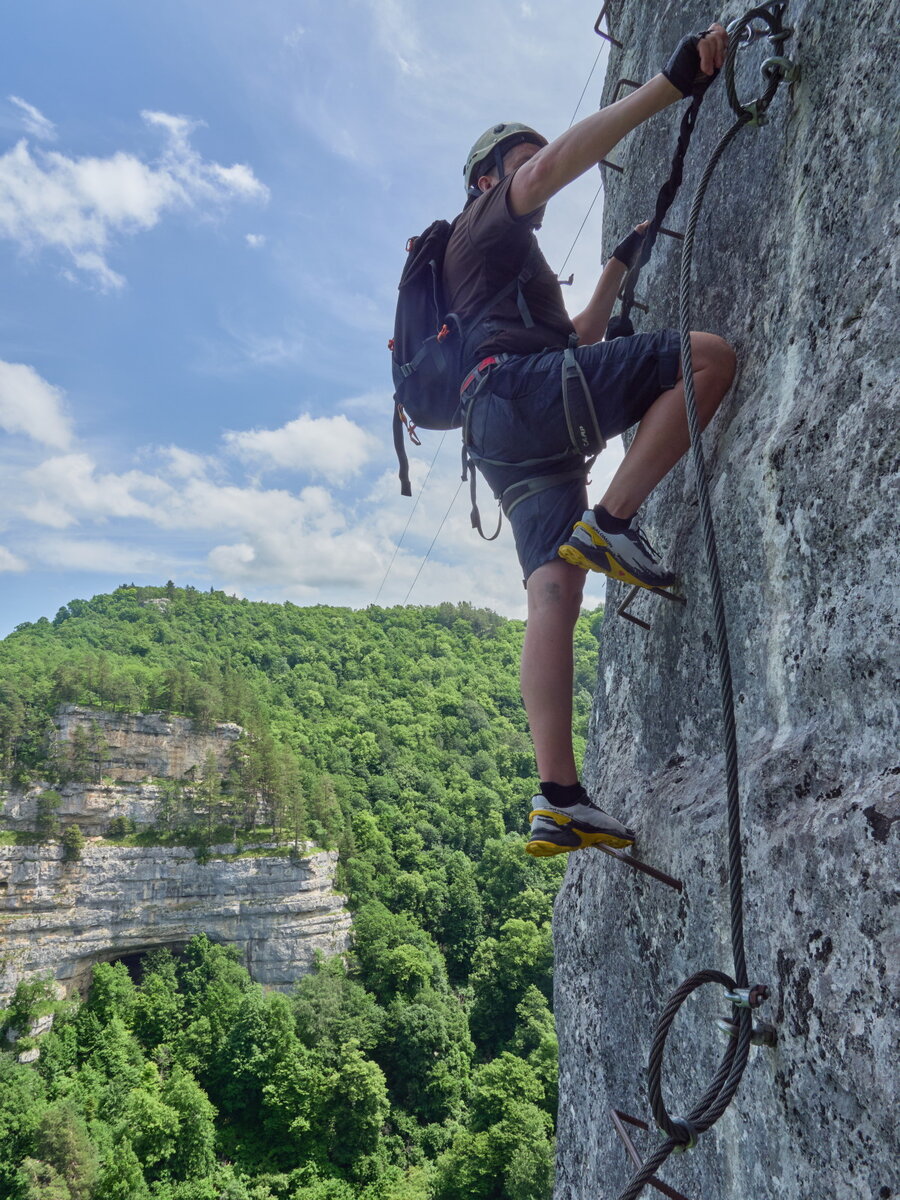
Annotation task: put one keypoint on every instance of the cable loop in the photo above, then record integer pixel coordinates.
(738, 33)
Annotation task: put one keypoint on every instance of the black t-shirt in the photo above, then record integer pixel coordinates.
(488, 247)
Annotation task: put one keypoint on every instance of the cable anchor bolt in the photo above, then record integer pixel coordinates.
(786, 70)
(749, 997)
(761, 1034)
(690, 1133)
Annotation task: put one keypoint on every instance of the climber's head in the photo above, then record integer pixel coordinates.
(497, 153)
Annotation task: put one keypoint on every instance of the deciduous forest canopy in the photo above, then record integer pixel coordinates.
(421, 1066)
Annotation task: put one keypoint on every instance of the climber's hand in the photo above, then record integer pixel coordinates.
(713, 47)
(697, 60)
(630, 247)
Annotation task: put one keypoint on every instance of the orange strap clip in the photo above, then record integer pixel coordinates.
(410, 427)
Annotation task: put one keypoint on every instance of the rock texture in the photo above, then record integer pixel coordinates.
(143, 746)
(796, 265)
(139, 751)
(90, 807)
(61, 917)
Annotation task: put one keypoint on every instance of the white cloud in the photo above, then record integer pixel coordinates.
(256, 240)
(68, 487)
(183, 464)
(10, 561)
(30, 405)
(78, 205)
(33, 119)
(105, 555)
(331, 446)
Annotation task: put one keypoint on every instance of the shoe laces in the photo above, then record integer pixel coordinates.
(636, 534)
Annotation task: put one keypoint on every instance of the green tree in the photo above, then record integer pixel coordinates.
(72, 843)
(193, 1156)
(122, 1177)
(46, 821)
(112, 993)
(22, 1103)
(62, 1141)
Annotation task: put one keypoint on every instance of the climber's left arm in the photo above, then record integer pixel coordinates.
(591, 322)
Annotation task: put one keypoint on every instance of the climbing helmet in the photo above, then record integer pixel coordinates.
(488, 151)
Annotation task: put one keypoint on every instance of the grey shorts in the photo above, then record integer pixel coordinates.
(517, 420)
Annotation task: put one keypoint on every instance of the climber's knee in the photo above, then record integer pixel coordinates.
(714, 356)
(555, 590)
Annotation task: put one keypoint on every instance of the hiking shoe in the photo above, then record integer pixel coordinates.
(559, 830)
(626, 556)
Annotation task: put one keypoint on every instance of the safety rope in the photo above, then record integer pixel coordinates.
(682, 1132)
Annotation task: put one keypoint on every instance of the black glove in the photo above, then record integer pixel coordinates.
(683, 68)
(629, 248)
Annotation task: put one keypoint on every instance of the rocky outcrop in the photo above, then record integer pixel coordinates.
(138, 753)
(90, 807)
(141, 746)
(61, 917)
(796, 264)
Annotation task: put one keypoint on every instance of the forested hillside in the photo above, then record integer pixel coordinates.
(421, 1067)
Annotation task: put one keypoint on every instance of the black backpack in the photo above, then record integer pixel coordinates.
(430, 349)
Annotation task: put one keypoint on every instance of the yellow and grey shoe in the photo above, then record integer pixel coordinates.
(626, 556)
(561, 830)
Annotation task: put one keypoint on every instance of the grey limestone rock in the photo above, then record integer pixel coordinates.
(796, 264)
(61, 918)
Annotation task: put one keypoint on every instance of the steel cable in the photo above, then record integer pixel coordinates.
(682, 1133)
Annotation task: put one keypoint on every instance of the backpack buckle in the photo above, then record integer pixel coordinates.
(410, 427)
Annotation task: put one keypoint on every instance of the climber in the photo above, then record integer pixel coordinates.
(513, 410)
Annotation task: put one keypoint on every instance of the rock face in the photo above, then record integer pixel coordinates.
(61, 917)
(141, 746)
(796, 264)
(139, 750)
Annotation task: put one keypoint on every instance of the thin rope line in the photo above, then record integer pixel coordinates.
(585, 88)
(410, 517)
(559, 272)
(578, 234)
(433, 540)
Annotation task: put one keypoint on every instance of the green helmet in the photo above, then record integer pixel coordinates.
(493, 144)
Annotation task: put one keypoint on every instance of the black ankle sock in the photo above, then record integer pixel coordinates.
(608, 523)
(563, 795)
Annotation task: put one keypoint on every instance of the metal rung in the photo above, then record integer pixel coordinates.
(618, 1119)
(604, 162)
(671, 233)
(635, 303)
(623, 82)
(644, 868)
(609, 37)
(622, 610)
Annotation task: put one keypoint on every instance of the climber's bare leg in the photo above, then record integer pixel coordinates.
(554, 602)
(662, 436)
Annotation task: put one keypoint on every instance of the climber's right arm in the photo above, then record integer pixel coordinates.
(585, 144)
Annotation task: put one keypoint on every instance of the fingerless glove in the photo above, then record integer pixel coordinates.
(683, 68)
(629, 248)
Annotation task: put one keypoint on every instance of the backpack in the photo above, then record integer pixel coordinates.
(430, 348)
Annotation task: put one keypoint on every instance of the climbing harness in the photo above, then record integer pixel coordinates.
(682, 1132)
(582, 441)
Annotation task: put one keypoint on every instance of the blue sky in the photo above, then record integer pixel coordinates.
(203, 213)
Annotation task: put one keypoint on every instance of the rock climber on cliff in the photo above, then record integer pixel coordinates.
(520, 434)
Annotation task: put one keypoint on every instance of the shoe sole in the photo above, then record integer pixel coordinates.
(588, 837)
(571, 554)
(542, 848)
